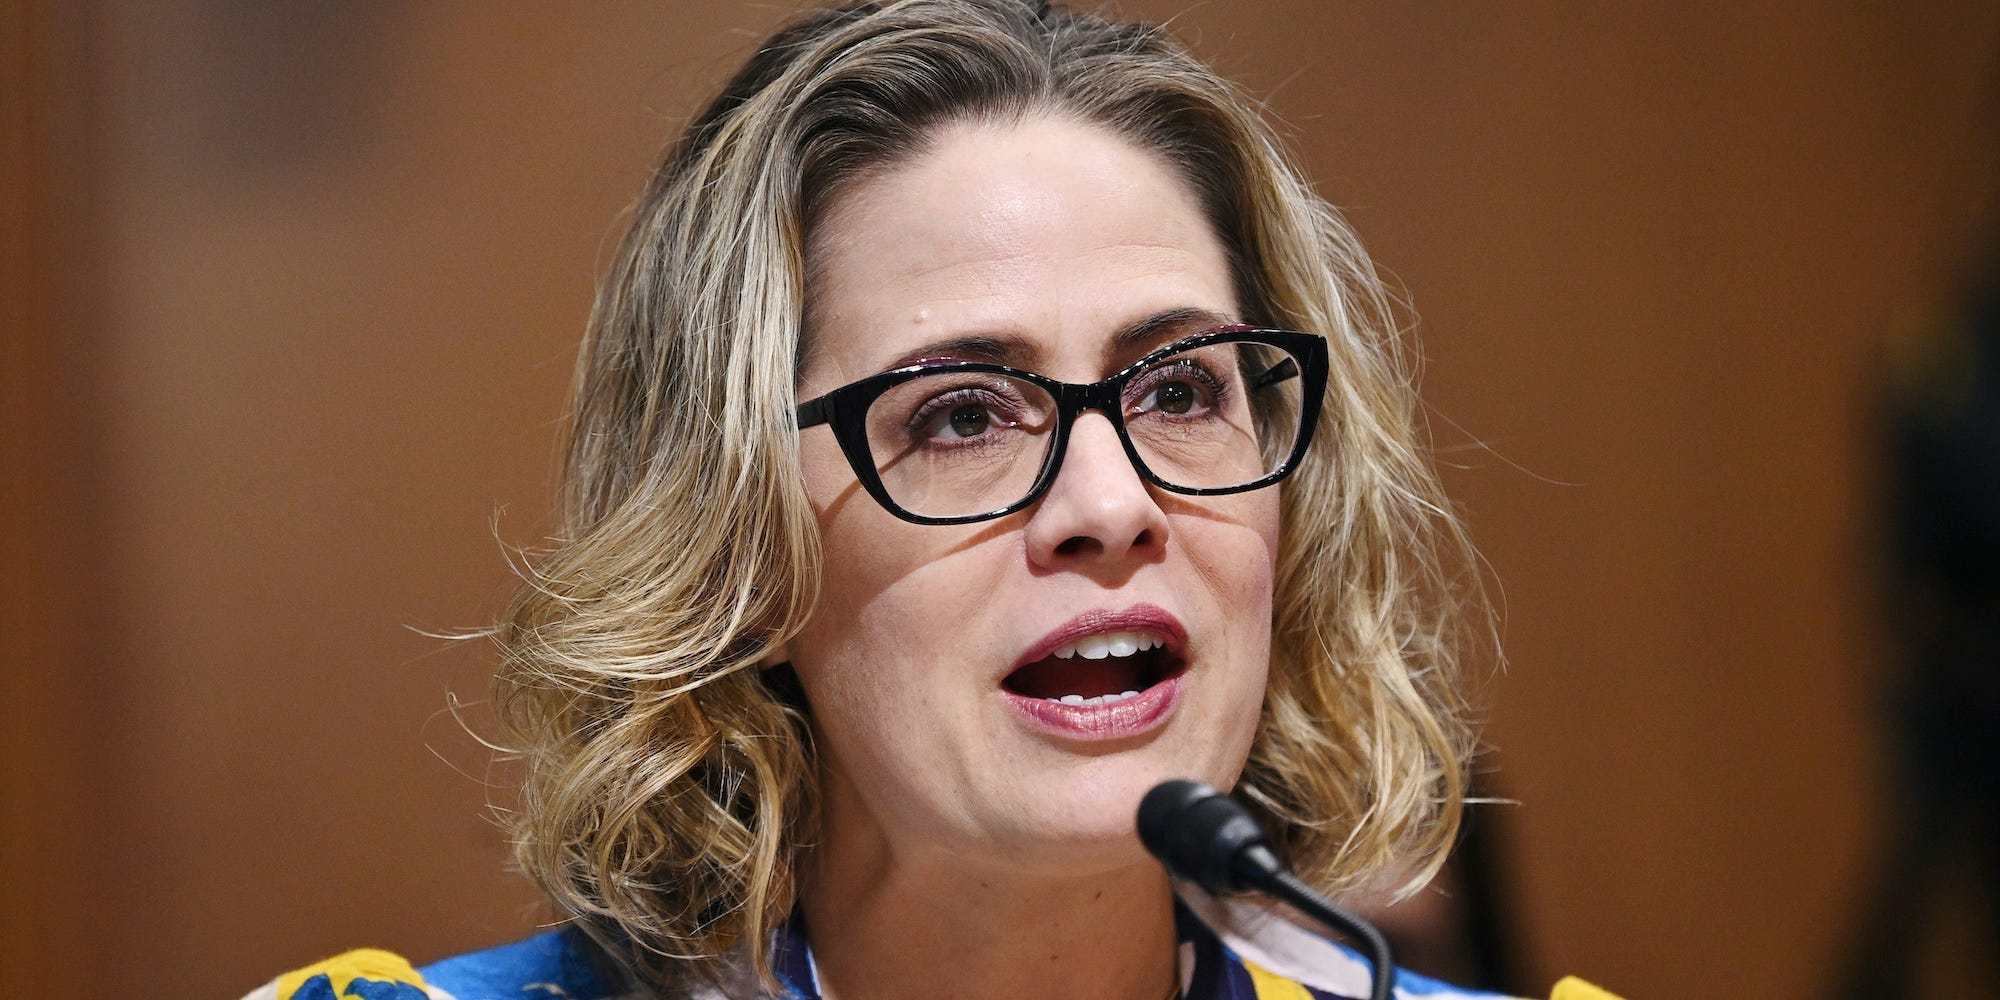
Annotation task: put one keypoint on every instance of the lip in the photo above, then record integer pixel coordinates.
(1137, 715)
(1137, 618)
(1134, 716)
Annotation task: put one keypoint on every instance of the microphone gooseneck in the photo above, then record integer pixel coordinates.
(1208, 838)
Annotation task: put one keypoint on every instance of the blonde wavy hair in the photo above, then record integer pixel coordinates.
(670, 783)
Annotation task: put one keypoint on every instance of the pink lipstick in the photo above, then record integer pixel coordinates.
(1101, 675)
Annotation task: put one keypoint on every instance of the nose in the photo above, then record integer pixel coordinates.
(1099, 513)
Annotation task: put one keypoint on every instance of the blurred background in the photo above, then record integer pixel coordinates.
(292, 292)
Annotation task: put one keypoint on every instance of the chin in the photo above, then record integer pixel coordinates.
(1090, 827)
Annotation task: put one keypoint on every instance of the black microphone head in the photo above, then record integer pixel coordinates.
(1159, 811)
(1204, 836)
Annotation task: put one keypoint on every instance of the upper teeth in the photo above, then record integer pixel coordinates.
(1097, 647)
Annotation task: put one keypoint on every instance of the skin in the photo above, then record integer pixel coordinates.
(956, 836)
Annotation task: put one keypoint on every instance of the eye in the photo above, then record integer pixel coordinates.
(1174, 397)
(962, 414)
(968, 420)
(1178, 388)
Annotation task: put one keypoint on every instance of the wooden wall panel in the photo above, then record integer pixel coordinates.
(53, 856)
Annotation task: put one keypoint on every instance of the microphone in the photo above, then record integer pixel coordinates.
(1208, 838)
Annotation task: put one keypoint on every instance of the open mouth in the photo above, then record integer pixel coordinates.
(1097, 669)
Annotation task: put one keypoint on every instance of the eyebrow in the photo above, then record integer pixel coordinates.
(1000, 350)
(1159, 326)
(1017, 352)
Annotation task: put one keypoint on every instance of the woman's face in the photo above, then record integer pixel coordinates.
(938, 657)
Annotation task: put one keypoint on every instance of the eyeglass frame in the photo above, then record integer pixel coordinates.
(845, 410)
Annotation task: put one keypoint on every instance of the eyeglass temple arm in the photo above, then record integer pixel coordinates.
(814, 412)
(1279, 372)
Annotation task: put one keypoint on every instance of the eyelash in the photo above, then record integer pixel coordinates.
(986, 396)
(1184, 370)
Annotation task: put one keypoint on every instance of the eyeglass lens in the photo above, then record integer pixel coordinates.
(954, 443)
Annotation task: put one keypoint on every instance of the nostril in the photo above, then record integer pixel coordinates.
(1078, 545)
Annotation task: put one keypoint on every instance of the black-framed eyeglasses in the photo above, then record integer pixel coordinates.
(1221, 412)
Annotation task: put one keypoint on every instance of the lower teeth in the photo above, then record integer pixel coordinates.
(1103, 699)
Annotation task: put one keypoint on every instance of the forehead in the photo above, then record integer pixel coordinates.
(1044, 242)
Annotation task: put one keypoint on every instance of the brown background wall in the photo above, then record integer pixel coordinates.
(292, 294)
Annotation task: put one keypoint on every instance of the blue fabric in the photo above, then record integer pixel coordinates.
(373, 989)
(320, 987)
(548, 965)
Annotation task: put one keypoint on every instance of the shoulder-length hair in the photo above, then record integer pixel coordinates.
(670, 784)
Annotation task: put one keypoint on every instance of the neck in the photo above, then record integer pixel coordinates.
(883, 927)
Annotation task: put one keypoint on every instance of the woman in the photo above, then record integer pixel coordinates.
(924, 510)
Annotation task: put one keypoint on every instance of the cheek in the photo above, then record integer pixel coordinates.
(885, 585)
(862, 547)
(856, 661)
(892, 719)
(1235, 550)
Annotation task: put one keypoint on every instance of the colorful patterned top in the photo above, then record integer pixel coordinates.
(1228, 951)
